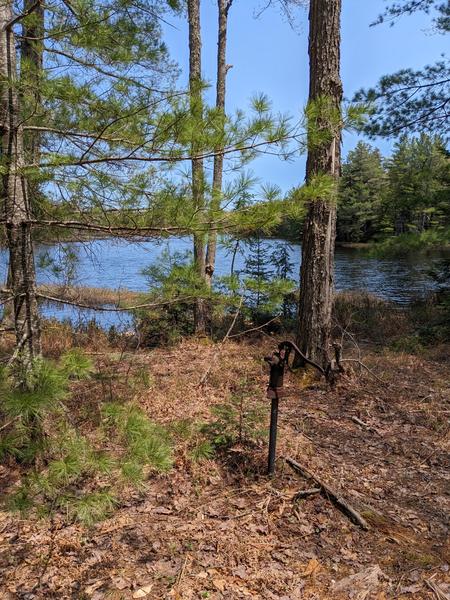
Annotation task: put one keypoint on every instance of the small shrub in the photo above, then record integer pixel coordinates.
(65, 471)
(165, 326)
(91, 508)
(237, 421)
(145, 443)
(70, 462)
(76, 364)
(410, 344)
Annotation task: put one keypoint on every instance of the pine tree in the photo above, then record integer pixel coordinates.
(257, 271)
(411, 100)
(198, 176)
(325, 96)
(361, 194)
(284, 269)
(222, 69)
(73, 113)
(113, 126)
(418, 174)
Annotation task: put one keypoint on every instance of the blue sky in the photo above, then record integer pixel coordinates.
(269, 56)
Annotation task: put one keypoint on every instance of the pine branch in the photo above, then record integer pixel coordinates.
(100, 70)
(18, 18)
(161, 159)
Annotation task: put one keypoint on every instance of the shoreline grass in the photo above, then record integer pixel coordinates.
(93, 296)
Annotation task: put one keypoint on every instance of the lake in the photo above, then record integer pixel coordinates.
(118, 264)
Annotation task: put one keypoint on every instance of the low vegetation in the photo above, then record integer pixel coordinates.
(156, 461)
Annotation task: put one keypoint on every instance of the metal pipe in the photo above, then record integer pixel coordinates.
(273, 434)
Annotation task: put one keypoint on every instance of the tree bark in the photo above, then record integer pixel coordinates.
(317, 270)
(198, 179)
(16, 207)
(222, 69)
(31, 64)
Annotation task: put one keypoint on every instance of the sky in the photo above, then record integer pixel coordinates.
(269, 56)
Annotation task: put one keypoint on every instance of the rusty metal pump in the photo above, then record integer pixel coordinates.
(278, 362)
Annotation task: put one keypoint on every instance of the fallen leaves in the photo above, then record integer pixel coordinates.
(242, 539)
(219, 584)
(312, 568)
(143, 591)
(361, 585)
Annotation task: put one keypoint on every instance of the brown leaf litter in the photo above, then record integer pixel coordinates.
(220, 529)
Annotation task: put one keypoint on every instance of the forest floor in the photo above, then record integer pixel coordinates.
(219, 528)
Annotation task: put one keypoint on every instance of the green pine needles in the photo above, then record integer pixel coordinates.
(146, 445)
(63, 470)
(239, 420)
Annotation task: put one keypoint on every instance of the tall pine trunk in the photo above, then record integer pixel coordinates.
(317, 270)
(31, 63)
(198, 178)
(223, 9)
(16, 206)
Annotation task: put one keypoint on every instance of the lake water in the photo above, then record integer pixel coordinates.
(119, 264)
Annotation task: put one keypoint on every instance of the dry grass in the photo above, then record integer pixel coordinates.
(92, 296)
(369, 318)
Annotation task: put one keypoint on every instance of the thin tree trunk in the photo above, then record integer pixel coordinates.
(198, 183)
(16, 206)
(8, 308)
(31, 63)
(317, 270)
(222, 69)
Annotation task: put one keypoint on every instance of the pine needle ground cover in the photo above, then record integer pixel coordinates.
(210, 524)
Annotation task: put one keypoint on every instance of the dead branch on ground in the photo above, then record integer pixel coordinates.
(331, 494)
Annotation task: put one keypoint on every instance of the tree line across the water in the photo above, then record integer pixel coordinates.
(405, 194)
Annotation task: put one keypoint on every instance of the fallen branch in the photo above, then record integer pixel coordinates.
(331, 494)
(361, 364)
(365, 425)
(305, 493)
(226, 337)
(438, 591)
(115, 309)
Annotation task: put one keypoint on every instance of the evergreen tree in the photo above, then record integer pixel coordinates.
(79, 99)
(281, 261)
(258, 271)
(284, 269)
(198, 175)
(324, 159)
(361, 192)
(418, 174)
(411, 100)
